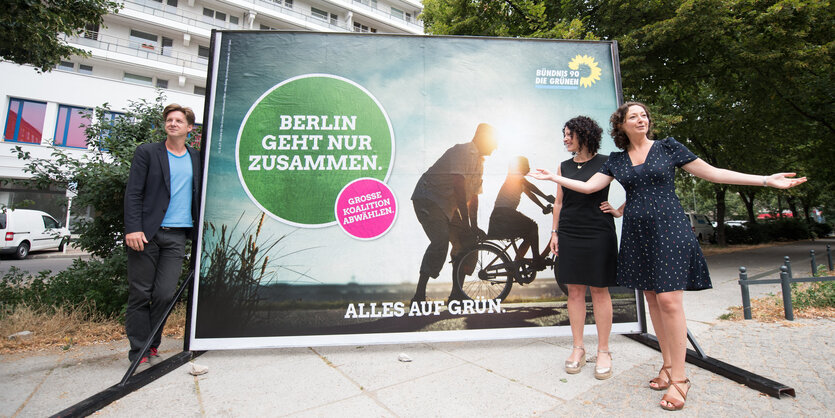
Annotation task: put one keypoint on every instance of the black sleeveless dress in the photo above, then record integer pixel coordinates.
(587, 240)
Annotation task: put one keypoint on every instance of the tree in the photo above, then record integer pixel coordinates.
(746, 84)
(512, 18)
(30, 29)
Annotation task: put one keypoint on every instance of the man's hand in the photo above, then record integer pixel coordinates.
(136, 240)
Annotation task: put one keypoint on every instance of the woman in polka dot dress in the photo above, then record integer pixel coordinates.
(659, 253)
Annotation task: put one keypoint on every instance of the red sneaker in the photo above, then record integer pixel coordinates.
(144, 364)
(154, 352)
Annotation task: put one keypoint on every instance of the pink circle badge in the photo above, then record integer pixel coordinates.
(366, 208)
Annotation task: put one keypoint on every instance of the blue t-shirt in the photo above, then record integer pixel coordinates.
(178, 214)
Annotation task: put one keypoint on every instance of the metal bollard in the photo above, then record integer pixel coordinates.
(787, 293)
(814, 264)
(746, 297)
(829, 256)
(788, 264)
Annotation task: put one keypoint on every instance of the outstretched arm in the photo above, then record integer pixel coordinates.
(701, 169)
(527, 188)
(597, 182)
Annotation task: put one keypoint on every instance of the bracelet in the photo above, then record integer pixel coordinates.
(553, 231)
(765, 181)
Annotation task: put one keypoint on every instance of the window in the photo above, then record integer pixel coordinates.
(138, 79)
(110, 118)
(359, 27)
(319, 14)
(50, 223)
(167, 46)
(288, 4)
(372, 3)
(264, 27)
(85, 69)
(171, 3)
(194, 137)
(69, 131)
(24, 122)
(163, 84)
(233, 20)
(408, 17)
(66, 66)
(398, 13)
(143, 40)
(203, 51)
(200, 90)
(91, 32)
(214, 14)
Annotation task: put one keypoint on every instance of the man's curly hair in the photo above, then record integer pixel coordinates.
(586, 131)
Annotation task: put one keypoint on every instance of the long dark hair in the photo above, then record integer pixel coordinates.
(616, 122)
(587, 132)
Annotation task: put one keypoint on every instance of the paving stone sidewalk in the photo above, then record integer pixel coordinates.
(512, 378)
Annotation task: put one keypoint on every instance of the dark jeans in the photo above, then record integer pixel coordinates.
(441, 232)
(152, 280)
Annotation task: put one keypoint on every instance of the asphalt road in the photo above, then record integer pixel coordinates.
(36, 263)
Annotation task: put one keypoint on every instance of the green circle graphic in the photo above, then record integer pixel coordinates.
(304, 140)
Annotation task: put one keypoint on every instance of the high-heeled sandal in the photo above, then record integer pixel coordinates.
(675, 404)
(574, 367)
(602, 373)
(661, 384)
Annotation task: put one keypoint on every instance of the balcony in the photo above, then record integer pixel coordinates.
(177, 15)
(279, 10)
(104, 46)
(372, 9)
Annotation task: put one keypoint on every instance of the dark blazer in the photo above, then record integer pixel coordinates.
(148, 191)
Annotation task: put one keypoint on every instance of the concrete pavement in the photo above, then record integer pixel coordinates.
(489, 378)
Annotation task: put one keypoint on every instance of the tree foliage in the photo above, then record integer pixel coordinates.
(746, 84)
(30, 29)
(510, 18)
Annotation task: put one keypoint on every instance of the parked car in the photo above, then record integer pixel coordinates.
(24, 230)
(702, 227)
(735, 223)
(730, 223)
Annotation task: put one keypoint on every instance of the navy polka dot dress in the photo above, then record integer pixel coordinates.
(658, 250)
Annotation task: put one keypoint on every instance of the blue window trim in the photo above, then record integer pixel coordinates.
(19, 117)
(69, 110)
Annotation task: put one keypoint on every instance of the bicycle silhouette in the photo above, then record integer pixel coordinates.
(487, 271)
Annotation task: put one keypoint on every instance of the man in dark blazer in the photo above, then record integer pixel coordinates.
(161, 211)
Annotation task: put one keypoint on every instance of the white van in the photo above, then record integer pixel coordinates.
(24, 230)
(702, 227)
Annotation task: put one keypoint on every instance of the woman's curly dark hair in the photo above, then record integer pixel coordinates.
(586, 131)
(616, 122)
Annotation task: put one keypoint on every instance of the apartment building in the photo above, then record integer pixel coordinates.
(147, 46)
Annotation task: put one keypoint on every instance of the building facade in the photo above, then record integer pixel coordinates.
(151, 45)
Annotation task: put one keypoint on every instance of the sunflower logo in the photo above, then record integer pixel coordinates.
(594, 70)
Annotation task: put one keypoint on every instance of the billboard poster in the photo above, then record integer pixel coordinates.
(332, 161)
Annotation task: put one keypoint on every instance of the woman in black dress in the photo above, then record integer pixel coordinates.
(659, 253)
(583, 236)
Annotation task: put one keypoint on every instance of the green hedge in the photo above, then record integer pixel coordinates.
(778, 230)
(98, 286)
